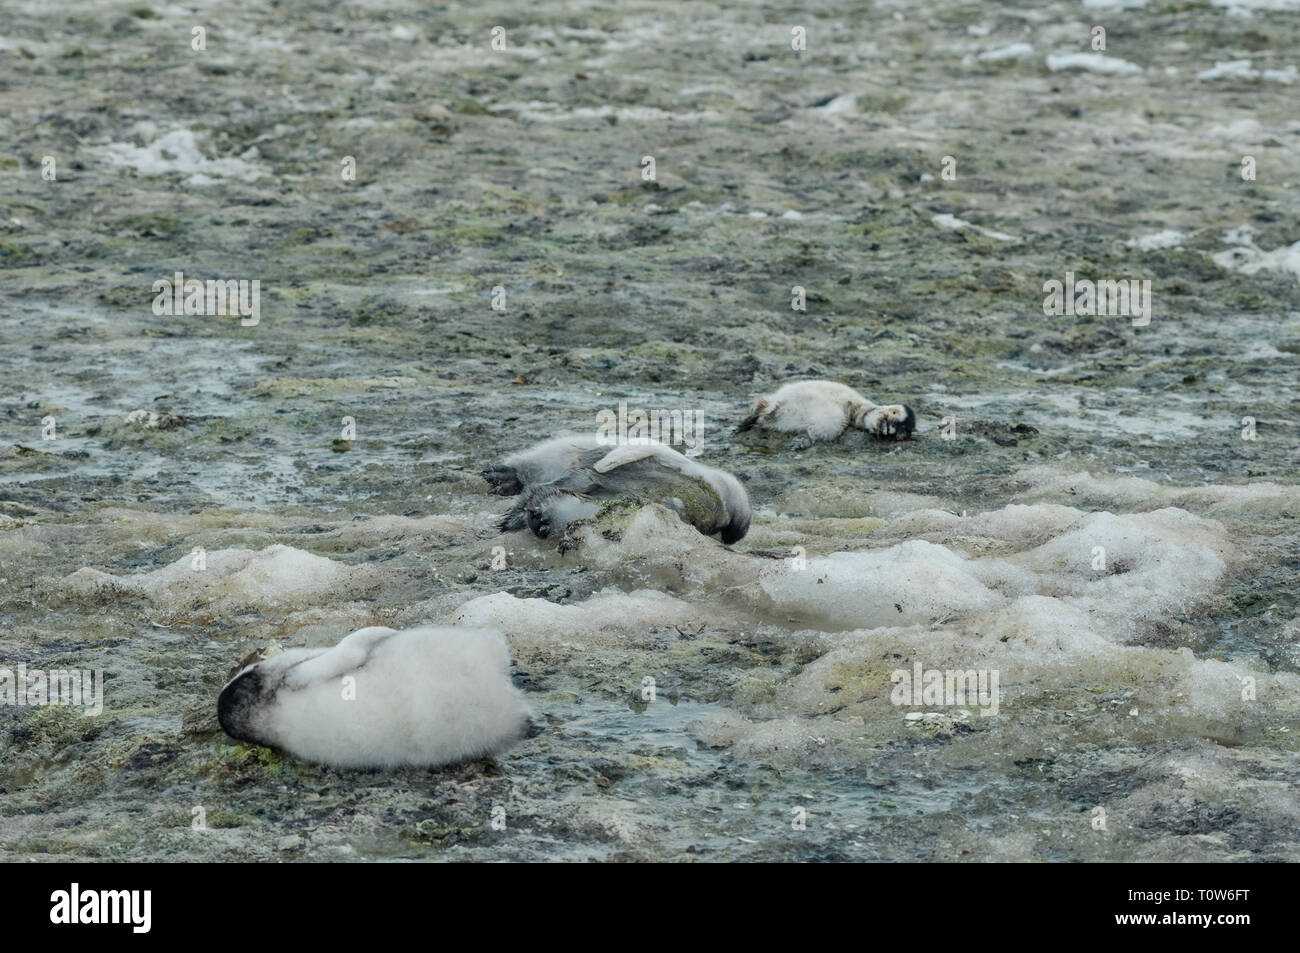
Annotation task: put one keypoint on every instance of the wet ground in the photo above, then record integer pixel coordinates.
(521, 169)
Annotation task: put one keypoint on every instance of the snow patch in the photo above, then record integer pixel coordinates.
(230, 580)
(951, 221)
(1165, 239)
(1015, 51)
(1095, 62)
(178, 152)
(610, 616)
(1244, 256)
(1242, 69)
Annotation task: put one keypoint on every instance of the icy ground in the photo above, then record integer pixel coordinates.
(1099, 533)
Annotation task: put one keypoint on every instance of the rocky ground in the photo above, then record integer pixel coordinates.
(521, 170)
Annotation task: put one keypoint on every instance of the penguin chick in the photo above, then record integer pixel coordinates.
(822, 410)
(543, 463)
(711, 500)
(382, 698)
